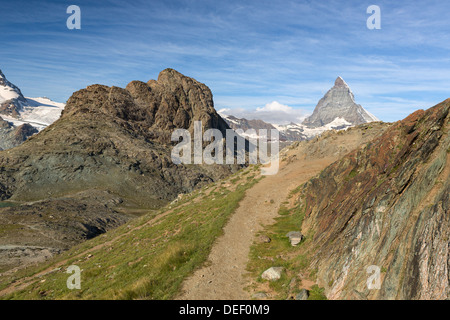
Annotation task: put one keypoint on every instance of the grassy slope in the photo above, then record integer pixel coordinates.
(149, 257)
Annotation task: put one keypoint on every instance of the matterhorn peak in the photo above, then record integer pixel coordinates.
(340, 83)
(338, 103)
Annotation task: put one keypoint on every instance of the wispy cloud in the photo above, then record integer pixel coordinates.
(250, 53)
(273, 112)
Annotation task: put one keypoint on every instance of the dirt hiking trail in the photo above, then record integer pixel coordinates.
(223, 276)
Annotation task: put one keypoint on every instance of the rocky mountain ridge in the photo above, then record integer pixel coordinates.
(110, 150)
(21, 117)
(337, 110)
(338, 102)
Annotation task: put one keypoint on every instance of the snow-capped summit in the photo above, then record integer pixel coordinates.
(18, 110)
(338, 102)
(8, 91)
(337, 110)
(11, 98)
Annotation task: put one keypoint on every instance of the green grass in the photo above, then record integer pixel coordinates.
(351, 175)
(317, 293)
(279, 252)
(4, 204)
(283, 211)
(4, 228)
(147, 263)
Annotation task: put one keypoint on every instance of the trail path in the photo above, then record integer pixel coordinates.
(223, 276)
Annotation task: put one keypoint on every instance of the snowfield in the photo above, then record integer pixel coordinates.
(39, 112)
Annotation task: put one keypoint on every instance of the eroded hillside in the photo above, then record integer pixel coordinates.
(385, 204)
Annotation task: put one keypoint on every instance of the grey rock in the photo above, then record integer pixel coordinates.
(302, 295)
(259, 295)
(272, 274)
(338, 102)
(295, 237)
(264, 239)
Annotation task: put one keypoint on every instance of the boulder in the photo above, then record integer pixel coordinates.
(272, 274)
(302, 295)
(264, 239)
(295, 237)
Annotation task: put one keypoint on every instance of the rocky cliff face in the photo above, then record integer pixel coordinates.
(387, 205)
(153, 109)
(110, 149)
(338, 103)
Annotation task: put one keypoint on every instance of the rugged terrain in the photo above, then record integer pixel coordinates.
(385, 204)
(106, 158)
(164, 248)
(11, 98)
(372, 195)
(19, 110)
(225, 275)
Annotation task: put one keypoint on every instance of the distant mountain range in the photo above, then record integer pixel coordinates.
(21, 117)
(336, 110)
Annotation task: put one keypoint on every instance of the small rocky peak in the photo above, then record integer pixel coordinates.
(340, 83)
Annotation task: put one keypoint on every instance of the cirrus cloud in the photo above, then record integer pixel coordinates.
(273, 112)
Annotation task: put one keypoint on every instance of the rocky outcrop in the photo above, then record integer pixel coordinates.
(111, 141)
(110, 134)
(152, 110)
(385, 205)
(338, 103)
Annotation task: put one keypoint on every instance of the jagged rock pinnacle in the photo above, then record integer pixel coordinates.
(340, 83)
(338, 102)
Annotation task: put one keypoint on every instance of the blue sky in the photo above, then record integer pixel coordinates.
(250, 53)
